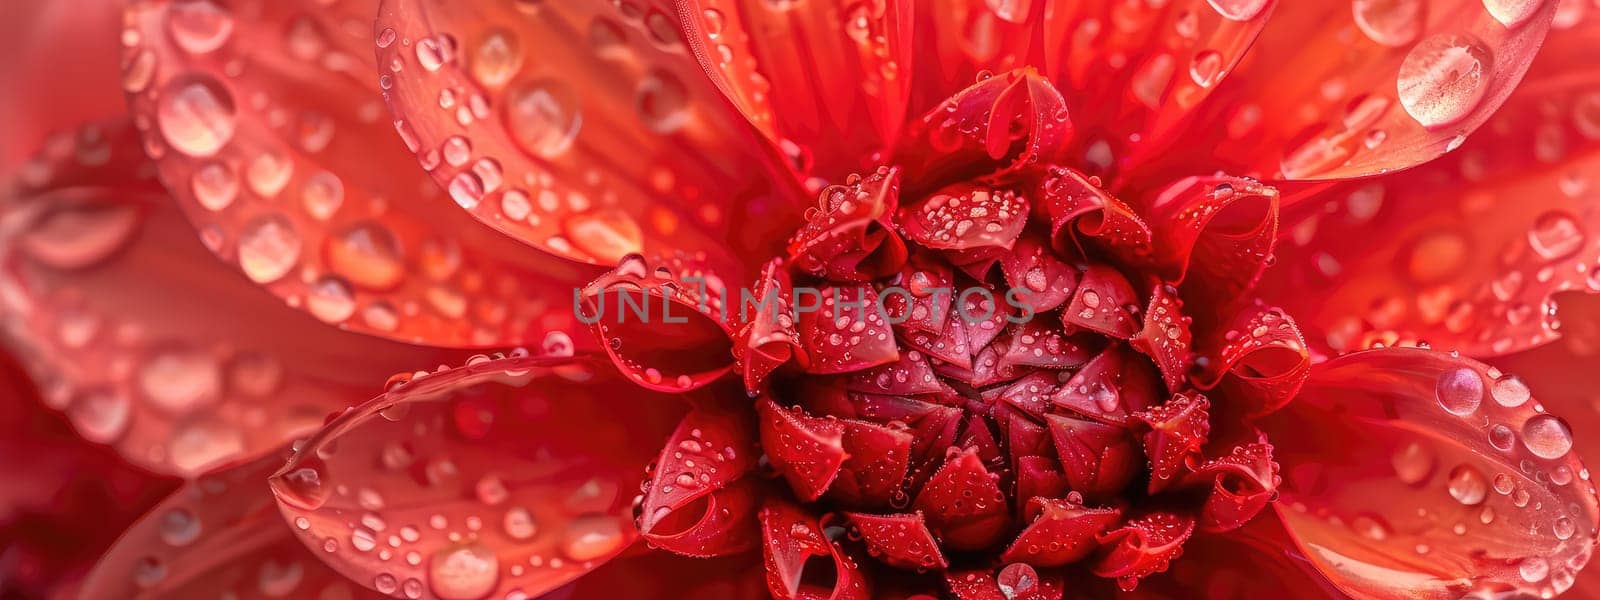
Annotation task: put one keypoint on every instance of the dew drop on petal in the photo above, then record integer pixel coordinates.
(269, 247)
(368, 255)
(199, 26)
(1510, 391)
(196, 115)
(543, 116)
(1460, 391)
(1444, 78)
(1546, 437)
(1238, 10)
(1468, 485)
(1412, 463)
(463, 572)
(1512, 13)
(1392, 23)
(607, 234)
(591, 537)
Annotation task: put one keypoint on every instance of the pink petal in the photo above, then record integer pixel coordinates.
(900, 540)
(70, 73)
(1259, 360)
(477, 480)
(664, 324)
(305, 188)
(1061, 532)
(67, 500)
(1466, 251)
(221, 534)
(699, 501)
(1336, 90)
(1416, 472)
(149, 344)
(830, 90)
(613, 131)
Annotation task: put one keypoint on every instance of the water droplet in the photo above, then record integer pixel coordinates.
(1238, 10)
(1392, 23)
(269, 247)
(607, 234)
(199, 26)
(1512, 13)
(1546, 437)
(215, 186)
(1555, 235)
(195, 115)
(330, 299)
(1206, 67)
(519, 524)
(1501, 437)
(1468, 485)
(465, 572)
(543, 116)
(101, 416)
(1533, 569)
(1444, 78)
(1459, 391)
(1017, 579)
(591, 537)
(662, 102)
(1510, 391)
(368, 255)
(180, 380)
(497, 59)
(322, 195)
(1412, 463)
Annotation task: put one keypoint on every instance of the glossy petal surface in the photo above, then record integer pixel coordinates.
(1416, 473)
(476, 480)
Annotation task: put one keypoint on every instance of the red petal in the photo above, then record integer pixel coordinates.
(963, 503)
(931, 284)
(1466, 251)
(1037, 476)
(1173, 432)
(71, 74)
(68, 501)
(1338, 90)
(221, 534)
(828, 82)
(876, 464)
(901, 540)
(1388, 454)
(1142, 546)
(136, 328)
(1043, 342)
(802, 563)
(1165, 337)
(844, 331)
(1061, 532)
(1260, 360)
(1079, 211)
(966, 217)
(1257, 561)
(935, 425)
(615, 131)
(666, 327)
(807, 450)
(1043, 281)
(1016, 581)
(768, 339)
(1242, 483)
(911, 375)
(850, 235)
(1214, 235)
(700, 501)
(305, 187)
(665, 576)
(1103, 303)
(999, 124)
(460, 476)
(1031, 394)
(1099, 459)
(1111, 385)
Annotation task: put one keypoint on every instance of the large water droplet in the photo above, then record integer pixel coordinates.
(1546, 437)
(79, 236)
(1459, 391)
(1444, 78)
(498, 58)
(1238, 10)
(368, 255)
(199, 26)
(195, 115)
(465, 572)
(330, 299)
(101, 416)
(607, 234)
(269, 247)
(179, 381)
(1468, 485)
(543, 116)
(179, 527)
(1512, 13)
(1392, 23)
(1412, 463)
(215, 186)
(590, 537)
(1555, 235)
(662, 101)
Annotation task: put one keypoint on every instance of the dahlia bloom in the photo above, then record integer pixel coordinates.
(800, 298)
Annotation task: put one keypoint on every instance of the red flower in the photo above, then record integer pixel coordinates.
(1012, 299)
